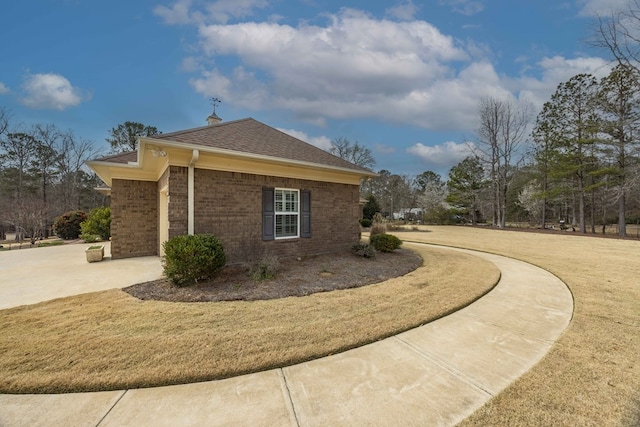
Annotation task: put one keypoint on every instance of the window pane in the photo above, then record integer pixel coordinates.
(287, 205)
(286, 201)
(286, 225)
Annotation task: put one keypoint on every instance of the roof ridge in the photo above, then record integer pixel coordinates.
(187, 131)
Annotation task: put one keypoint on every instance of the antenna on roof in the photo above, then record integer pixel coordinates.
(213, 118)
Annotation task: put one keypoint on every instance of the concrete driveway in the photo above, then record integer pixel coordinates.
(28, 276)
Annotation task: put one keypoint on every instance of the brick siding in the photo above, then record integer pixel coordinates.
(134, 218)
(178, 201)
(229, 205)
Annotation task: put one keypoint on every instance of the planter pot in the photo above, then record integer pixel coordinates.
(95, 253)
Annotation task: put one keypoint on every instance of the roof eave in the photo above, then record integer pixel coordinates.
(233, 153)
(102, 168)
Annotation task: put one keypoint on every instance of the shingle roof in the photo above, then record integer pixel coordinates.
(124, 158)
(253, 137)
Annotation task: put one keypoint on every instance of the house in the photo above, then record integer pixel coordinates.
(259, 190)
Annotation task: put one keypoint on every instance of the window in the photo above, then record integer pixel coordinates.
(286, 213)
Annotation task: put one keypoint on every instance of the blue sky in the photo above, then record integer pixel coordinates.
(402, 78)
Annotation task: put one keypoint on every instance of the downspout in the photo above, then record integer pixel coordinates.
(190, 183)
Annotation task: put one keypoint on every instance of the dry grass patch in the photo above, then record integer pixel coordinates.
(110, 340)
(592, 375)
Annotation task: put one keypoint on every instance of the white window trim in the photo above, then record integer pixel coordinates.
(277, 213)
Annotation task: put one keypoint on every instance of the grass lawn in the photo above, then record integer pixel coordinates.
(110, 340)
(592, 374)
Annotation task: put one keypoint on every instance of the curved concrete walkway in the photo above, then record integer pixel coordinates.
(437, 374)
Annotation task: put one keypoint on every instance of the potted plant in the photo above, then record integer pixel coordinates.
(95, 253)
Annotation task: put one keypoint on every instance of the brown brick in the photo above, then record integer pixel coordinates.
(134, 221)
(229, 205)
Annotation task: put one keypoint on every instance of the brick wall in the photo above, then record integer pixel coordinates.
(229, 205)
(134, 218)
(178, 201)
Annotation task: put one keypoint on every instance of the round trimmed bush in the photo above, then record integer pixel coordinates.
(67, 226)
(366, 223)
(385, 242)
(190, 258)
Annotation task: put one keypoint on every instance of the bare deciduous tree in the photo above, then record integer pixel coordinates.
(502, 130)
(4, 120)
(74, 152)
(352, 152)
(619, 33)
(430, 191)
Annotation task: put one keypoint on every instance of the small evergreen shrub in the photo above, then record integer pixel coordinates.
(364, 250)
(190, 258)
(370, 208)
(67, 226)
(97, 225)
(366, 223)
(385, 242)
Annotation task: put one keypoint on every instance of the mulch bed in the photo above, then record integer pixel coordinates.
(295, 278)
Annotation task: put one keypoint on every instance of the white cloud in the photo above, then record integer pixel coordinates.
(319, 141)
(601, 7)
(241, 87)
(464, 7)
(356, 66)
(50, 91)
(447, 154)
(176, 14)
(554, 70)
(4, 89)
(224, 10)
(220, 11)
(404, 11)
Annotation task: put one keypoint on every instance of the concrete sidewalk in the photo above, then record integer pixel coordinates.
(436, 374)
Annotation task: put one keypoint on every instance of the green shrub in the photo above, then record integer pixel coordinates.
(364, 250)
(192, 258)
(97, 225)
(89, 238)
(265, 268)
(385, 242)
(366, 223)
(67, 226)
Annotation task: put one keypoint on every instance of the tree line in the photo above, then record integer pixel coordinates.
(43, 173)
(576, 165)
